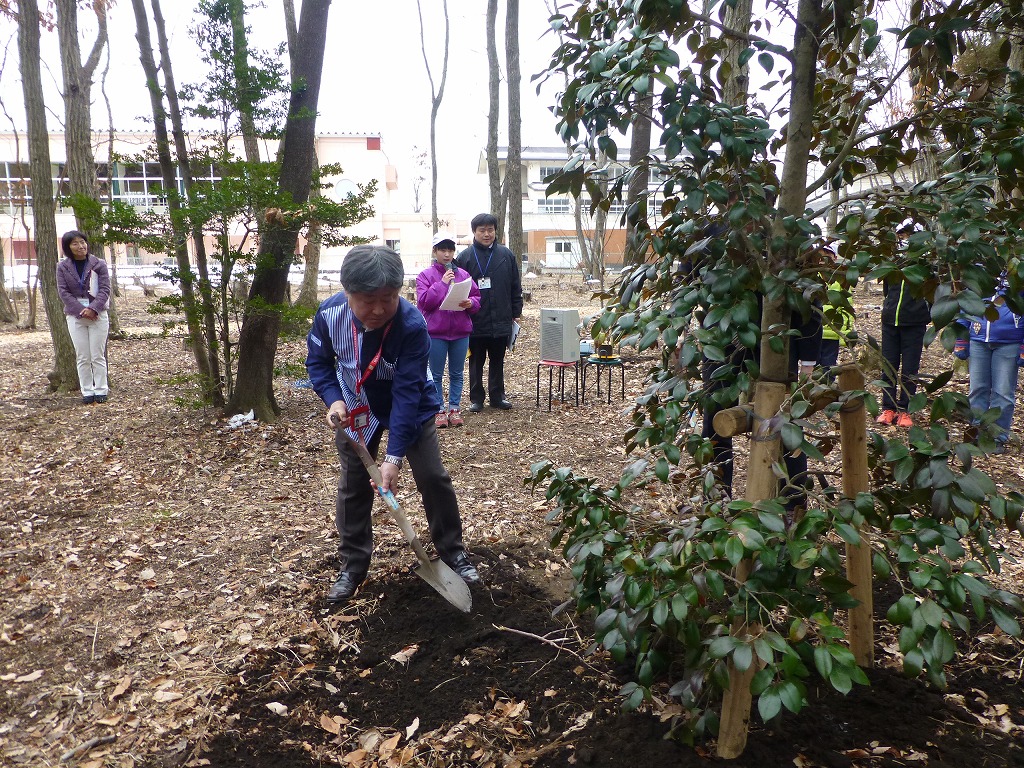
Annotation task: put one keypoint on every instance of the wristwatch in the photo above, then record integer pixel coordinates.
(396, 460)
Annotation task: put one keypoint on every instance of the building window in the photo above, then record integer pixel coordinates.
(394, 245)
(554, 205)
(561, 246)
(15, 186)
(132, 257)
(549, 170)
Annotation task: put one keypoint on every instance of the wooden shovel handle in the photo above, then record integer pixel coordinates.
(388, 496)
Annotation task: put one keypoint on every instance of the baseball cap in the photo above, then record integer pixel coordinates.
(443, 237)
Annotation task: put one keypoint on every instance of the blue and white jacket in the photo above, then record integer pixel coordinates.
(1008, 328)
(399, 393)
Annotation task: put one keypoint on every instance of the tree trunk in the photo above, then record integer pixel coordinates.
(737, 84)
(774, 376)
(513, 165)
(178, 224)
(497, 206)
(65, 375)
(309, 293)
(81, 165)
(8, 313)
(435, 104)
(213, 345)
(243, 78)
(636, 192)
(257, 344)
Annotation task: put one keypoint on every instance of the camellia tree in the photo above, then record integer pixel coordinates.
(668, 559)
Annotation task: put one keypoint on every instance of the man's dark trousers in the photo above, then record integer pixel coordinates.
(354, 505)
(481, 348)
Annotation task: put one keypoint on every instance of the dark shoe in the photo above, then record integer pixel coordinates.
(503, 405)
(345, 587)
(88, 399)
(461, 565)
(476, 407)
(101, 398)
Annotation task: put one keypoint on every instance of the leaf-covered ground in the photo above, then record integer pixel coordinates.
(162, 576)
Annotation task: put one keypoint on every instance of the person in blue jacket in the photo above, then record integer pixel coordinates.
(367, 360)
(995, 349)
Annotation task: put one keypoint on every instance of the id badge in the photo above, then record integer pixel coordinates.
(359, 418)
(484, 284)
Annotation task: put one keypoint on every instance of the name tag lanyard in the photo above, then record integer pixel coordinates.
(358, 414)
(485, 281)
(85, 276)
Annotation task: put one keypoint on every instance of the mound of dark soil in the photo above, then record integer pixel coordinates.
(515, 683)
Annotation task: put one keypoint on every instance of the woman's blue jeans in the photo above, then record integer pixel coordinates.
(994, 381)
(454, 352)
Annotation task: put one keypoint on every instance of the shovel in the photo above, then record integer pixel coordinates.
(436, 573)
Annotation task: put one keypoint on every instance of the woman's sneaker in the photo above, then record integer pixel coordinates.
(454, 418)
(441, 420)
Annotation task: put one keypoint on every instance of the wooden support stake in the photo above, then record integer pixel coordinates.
(854, 445)
(761, 484)
(739, 419)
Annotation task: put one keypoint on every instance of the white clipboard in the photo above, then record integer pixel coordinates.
(513, 336)
(457, 293)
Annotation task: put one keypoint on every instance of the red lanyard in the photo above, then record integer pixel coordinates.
(360, 380)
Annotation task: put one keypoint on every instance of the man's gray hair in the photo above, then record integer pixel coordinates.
(368, 268)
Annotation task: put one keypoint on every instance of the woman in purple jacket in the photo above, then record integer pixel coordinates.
(83, 285)
(449, 329)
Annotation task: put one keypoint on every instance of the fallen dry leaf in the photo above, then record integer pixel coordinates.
(277, 708)
(31, 677)
(121, 687)
(330, 724)
(404, 655)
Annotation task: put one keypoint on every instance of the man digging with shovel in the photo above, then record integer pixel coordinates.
(367, 360)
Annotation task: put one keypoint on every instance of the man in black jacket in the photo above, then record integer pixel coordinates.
(496, 271)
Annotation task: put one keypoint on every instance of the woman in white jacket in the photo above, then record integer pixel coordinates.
(83, 284)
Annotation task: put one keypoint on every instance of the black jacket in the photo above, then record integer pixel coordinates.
(503, 301)
(900, 307)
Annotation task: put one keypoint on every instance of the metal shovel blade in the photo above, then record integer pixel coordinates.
(436, 573)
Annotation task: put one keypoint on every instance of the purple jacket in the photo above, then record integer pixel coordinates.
(70, 288)
(445, 324)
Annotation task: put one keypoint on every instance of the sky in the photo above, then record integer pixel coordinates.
(374, 80)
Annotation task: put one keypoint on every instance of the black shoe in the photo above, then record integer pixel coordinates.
(101, 398)
(345, 587)
(502, 405)
(476, 407)
(461, 565)
(88, 399)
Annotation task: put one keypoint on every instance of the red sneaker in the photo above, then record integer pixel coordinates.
(886, 417)
(454, 418)
(904, 420)
(441, 420)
